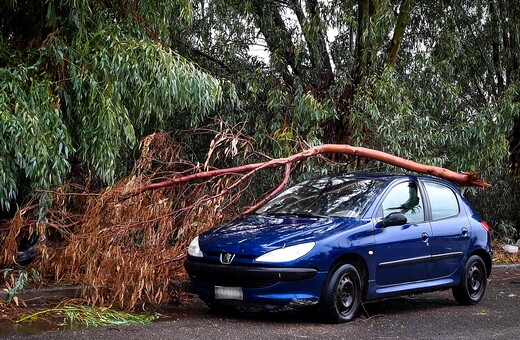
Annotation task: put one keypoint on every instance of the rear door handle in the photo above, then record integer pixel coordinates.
(425, 237)
(464, 231)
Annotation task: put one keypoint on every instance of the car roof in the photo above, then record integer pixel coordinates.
(390, 176)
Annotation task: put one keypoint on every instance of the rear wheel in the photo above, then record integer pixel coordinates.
(473, 284)
(342, 294)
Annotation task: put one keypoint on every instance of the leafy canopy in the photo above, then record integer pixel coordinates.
(86, 81)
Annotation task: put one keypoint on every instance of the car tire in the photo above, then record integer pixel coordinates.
(341, 298)
(473, 283)
(27, 249)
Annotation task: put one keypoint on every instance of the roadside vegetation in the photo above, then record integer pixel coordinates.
(99, 100)
(75, 314)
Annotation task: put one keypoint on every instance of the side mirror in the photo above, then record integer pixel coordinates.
(393, 219)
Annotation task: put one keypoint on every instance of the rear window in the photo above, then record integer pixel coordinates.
(443, 201)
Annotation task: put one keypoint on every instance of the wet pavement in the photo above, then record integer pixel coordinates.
(426, 316)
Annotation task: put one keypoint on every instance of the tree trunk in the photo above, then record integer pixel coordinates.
(400, 27)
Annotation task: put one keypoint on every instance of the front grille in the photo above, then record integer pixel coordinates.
(234, 281)
(244, 276)
(237, 256)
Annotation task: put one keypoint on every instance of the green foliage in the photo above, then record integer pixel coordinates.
(506, 231)
(91, 316)
(298, 116)
(16, 280)
(33, 136)
(114, 93)
(101, 78)
(433, 82)
(499, 205)
(428, 123)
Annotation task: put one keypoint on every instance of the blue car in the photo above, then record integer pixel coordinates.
(340, 240)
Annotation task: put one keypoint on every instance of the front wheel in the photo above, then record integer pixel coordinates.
(473, 284)
(342, 294)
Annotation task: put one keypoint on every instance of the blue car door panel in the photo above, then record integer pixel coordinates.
(450, 230)
(403, 252)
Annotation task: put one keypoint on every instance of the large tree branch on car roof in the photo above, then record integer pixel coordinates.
(464, 179)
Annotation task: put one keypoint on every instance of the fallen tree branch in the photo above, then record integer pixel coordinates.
(273, 193)
(464, 179)
(148, 234)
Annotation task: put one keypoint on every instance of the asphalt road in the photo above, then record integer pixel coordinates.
(426, 316)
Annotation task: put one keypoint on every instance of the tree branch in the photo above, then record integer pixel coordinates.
(273, 193)
(468, 179)
(400, 27)
(316, 41)
(278, 39)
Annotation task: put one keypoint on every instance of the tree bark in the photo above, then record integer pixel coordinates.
(278, 39)
(466, 179)
(514, 147)
(496, 48)
(316, 42)
(362, 23)
(400, 27)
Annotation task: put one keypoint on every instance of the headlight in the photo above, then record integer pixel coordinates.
(287, 254)
(194, 249)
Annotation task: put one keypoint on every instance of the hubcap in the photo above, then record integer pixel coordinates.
(474, 279)
(345, 293)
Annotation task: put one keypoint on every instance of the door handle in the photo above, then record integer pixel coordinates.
(464, 231)
(425, 237)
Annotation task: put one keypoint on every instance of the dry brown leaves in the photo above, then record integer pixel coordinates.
(126, 251)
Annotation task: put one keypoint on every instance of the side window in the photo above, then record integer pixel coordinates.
(405, 198)
(443, 201)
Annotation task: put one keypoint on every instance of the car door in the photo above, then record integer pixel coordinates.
(403, 252)
(450, 229)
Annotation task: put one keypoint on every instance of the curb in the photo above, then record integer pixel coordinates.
(46, 295)
(510, 265)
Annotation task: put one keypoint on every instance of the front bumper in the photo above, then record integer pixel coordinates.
(260, 285)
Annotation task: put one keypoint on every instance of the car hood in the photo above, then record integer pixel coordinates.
(257, 234)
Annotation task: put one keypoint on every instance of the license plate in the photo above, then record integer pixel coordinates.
(228, 293)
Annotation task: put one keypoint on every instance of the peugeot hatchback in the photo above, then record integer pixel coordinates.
(340, 240)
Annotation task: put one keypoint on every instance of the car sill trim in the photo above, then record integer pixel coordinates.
(420, 259)
(447, 255)
(405, 261)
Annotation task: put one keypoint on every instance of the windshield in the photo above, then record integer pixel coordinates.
(328, 196)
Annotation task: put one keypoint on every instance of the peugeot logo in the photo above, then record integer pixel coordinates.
(226, 258)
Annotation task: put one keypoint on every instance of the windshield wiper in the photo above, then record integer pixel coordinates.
(298, 214)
